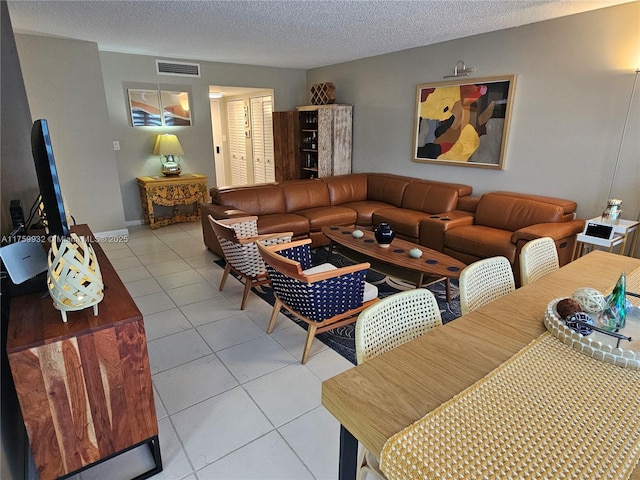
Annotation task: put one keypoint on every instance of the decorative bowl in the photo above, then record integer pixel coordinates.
(599, 347)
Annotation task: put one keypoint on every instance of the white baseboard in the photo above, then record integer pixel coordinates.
(133, 223)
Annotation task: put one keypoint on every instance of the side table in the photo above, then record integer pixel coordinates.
(181, 192)
(622, 232)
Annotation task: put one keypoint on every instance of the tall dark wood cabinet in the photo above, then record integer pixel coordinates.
(314, 141)
(286, 147)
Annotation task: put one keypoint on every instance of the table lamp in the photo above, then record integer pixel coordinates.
(169, 148)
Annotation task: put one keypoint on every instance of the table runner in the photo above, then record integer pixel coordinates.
(548, 412)
(633, 285)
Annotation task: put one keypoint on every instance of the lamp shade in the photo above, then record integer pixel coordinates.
(167, 144)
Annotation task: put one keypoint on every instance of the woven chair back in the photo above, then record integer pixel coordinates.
(244, 257)
(394, 320)
(484, 281)
(538, 258)
(314, 300)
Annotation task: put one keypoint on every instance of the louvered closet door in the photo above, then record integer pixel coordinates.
(237, 142)
(269, 158)
(262, 139)
(257, 140)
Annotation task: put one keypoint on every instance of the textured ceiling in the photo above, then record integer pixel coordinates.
(294, 34)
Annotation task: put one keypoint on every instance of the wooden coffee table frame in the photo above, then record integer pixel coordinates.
(397, 254)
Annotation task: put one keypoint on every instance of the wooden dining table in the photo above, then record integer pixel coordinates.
(379, 398)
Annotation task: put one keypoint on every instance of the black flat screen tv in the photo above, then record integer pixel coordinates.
(56, 217)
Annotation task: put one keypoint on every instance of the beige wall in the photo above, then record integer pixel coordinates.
(121, 71)
(574, 79)
(83, 94)
(18, 181)
(64, 84)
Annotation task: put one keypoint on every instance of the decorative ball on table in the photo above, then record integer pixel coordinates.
(567, 307)
(591, 300)
(415, 253)
(73, 278)
(357, 234)
(577, 321)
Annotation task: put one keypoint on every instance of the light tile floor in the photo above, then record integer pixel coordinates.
(232, 401)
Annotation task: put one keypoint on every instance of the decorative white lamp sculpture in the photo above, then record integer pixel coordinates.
(74, 277)
(169, 148)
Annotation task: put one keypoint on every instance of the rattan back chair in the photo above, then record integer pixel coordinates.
(238, 238)
(538, 258)
(484, 281)
(324, 297)
(392, 321)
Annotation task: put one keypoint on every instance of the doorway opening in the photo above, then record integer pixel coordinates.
(242, 132)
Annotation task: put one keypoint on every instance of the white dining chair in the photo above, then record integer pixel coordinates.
(385, 325)
(485, 281)
(538, 258)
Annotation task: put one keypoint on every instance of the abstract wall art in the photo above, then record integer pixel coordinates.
(464, 122)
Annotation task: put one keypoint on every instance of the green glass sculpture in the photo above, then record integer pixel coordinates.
(614, 315)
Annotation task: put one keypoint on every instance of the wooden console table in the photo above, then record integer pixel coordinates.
(176, 191)
(84, 386)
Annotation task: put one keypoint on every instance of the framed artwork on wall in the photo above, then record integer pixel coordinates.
(144, 106)
(159, 108)
(175, 108)
(464, 122)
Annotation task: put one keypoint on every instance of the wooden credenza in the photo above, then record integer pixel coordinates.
(183, 193)
(84, 386)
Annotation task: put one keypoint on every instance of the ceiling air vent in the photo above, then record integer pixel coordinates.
(180, 69)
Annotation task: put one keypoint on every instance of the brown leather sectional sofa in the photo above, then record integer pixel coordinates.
(438, 215)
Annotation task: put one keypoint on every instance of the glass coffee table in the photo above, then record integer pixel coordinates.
(431, 262)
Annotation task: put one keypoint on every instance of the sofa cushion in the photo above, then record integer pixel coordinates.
(323, 216)
(403, 221)
(261, 200)
(283, 222)
(347, 188)
(430, 198)
(303, 194)
(512, 213)
(386, 188)
(365, 210)
(568, 206)
(481, 241)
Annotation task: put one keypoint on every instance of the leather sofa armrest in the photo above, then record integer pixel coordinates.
(432, 229)
(218, 212)
(557, 231)
(563, 234)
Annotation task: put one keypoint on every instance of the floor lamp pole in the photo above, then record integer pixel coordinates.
(624, 129)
